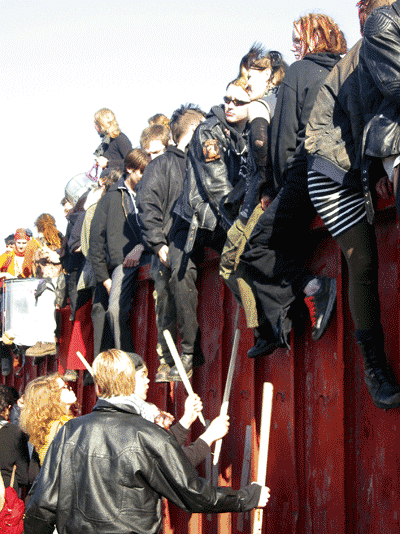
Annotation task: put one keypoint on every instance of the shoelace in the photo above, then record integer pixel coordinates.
(311, 308)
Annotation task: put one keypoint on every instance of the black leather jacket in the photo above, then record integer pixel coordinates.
(213, 190)
(379, 73)
(106, 472)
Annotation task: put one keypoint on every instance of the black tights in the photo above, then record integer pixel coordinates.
(360, 250)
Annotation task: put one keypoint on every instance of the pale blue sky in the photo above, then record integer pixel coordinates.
(64, 60)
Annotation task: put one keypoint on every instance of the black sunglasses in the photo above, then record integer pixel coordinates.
(234, 101)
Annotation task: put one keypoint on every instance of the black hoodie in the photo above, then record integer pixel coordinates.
(295, 101)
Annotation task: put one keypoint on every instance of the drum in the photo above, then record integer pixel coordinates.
(19, 310)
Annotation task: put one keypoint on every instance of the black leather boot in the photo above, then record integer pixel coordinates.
(380, 380)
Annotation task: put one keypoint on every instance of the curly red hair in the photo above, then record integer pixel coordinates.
(320, 33)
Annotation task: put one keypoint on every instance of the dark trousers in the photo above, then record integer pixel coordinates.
(165, 308)
(102, 338)
(184, 276)
(275, 254)
(115, 309)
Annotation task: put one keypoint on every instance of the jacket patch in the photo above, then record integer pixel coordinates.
(211, 150)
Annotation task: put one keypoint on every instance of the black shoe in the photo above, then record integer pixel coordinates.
(187, 361)
(380, 380)
(163, 373)
(264, 348)
(320, 306)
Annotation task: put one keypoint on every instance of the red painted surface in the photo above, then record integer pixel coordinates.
(334, 458)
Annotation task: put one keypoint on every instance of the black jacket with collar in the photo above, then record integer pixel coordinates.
(114, 231)
(213, 191)
(106, 472)
(379, 75)
(159, 190)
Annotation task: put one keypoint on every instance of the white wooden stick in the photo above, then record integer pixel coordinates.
(85, 362)
(179, 365)
(263, 449)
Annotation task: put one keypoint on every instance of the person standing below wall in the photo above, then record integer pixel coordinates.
(107, 471)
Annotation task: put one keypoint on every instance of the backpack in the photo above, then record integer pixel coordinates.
(12, 508)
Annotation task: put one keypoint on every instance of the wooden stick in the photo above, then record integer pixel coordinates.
(179, 365)
(263, 450)
(85, 362)
(228, 385)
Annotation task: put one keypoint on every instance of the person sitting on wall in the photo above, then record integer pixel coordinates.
(115, 145)
(112, 452)
(42, 260)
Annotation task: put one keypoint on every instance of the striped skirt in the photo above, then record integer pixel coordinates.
(339, 207)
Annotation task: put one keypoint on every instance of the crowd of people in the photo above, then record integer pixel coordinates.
(246, 179)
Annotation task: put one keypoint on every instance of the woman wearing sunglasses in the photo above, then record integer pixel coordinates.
(48, 403)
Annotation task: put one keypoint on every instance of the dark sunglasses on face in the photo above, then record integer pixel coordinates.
(234, 101)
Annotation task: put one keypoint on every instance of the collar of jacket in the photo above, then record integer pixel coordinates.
(175, 150)
(396, 7)
(103, 406)
(238, 138)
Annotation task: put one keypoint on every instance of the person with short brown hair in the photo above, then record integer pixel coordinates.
(116, 251)
(155, 139)
(161, 186)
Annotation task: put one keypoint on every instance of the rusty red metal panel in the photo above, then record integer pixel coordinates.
(334, 458)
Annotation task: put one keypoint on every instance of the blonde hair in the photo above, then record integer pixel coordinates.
(114, 374)
(105, 118)
(42, 405)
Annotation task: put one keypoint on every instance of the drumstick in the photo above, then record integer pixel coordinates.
(179, 366)
(85, 362)
(228, 385)
(263, 449)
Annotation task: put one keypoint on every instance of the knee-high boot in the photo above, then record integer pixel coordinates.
(380, 380)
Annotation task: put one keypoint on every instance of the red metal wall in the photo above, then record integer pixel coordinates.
(334, 458)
